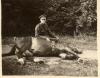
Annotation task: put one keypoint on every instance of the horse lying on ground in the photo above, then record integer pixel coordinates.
(25, 47)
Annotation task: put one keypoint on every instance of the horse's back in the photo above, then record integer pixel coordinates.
(41, 45)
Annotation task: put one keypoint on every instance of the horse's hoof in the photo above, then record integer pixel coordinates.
(21, 61)
(78, 51)
(80, 60)
(63, 55)
(39, 61)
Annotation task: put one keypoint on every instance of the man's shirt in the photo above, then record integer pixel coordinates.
(42, 29)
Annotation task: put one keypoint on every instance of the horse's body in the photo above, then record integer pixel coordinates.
(39, 47)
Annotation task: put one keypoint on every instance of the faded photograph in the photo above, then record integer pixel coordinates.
(49, 38)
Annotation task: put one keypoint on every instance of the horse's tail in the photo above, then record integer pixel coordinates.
(12, 52)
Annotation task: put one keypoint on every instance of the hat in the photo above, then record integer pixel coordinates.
(42, 16)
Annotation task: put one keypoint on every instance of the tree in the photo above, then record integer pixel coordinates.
(19, 17)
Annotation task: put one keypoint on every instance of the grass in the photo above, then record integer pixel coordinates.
(58, 67)
(64, 68)
(87, 43)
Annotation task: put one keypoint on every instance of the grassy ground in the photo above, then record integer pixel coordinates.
(54, 65)
(57, 68)
(83, 43)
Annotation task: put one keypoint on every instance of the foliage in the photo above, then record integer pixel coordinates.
(71, 13)
(63, 15)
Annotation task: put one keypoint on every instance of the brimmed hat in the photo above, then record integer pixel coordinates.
(42, 16)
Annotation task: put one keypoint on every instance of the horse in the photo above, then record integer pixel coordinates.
(25, 47)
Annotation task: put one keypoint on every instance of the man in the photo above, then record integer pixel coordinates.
(42, 28)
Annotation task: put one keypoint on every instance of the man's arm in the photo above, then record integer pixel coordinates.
(49, 32)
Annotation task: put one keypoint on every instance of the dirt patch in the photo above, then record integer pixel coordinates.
(89, 54)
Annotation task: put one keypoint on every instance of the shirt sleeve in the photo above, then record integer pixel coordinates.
(49, 32)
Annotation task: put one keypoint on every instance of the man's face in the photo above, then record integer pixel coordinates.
(43, 20)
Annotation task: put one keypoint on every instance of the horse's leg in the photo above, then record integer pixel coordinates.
(77, 51)
(68, 54)
(28, 54)
(20, 55)
(20, 52)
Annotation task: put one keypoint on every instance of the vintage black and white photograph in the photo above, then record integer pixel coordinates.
(49, 38)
